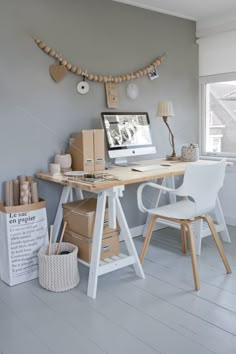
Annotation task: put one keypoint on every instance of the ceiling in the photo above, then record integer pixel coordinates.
(195, 10)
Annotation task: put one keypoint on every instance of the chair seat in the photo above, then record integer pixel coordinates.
(184, 209)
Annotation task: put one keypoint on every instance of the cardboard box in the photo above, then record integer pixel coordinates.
(82, 151)
(80, 217)
(110, 245)
(99, 150)
(23, 231)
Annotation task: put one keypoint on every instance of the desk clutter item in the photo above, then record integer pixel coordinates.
(23, 232)
(20, 191)
(58, 272)
(87, 150)
(54, 169)
(93, 178)
(64, 160)
(80, 218)
(190, 152)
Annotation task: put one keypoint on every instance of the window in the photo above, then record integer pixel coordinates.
(218, 115)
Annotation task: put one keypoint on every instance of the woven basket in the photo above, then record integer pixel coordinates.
(190, 153)
(58, 272)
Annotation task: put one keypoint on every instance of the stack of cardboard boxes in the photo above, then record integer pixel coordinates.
(80, 218)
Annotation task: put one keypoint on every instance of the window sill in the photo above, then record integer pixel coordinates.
(231, 168)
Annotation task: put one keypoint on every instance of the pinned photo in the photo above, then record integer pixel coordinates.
(153, 74)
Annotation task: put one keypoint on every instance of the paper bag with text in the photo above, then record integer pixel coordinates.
(23, 231)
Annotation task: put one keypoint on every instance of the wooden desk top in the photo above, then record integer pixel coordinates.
(123, 175)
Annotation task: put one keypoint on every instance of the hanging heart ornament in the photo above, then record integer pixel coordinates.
(57, 72)
(83, 87)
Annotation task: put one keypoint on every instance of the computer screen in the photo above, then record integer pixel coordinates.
(126, 130)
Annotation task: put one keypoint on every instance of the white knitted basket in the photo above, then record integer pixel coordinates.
(190, 153)
(58, 272)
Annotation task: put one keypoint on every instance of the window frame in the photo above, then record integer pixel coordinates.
(203, 81)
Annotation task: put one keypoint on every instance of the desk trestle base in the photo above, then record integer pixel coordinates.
(96, 266)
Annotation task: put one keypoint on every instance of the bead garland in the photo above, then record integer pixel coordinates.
(94, 77)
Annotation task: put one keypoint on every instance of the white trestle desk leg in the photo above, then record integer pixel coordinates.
(170, 183)
(221, 221)
(112, 211)
(128, 239)
(65, 194)
(153, 205)
(97, 243)
(79, 194)
(71, 196)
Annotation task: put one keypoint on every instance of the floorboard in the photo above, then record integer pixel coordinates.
(161, 314)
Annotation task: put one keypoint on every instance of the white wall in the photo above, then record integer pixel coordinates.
(38, 115)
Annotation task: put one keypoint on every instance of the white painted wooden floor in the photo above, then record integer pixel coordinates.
(161, 314)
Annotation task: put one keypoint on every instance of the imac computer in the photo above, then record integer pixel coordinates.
(127, 134)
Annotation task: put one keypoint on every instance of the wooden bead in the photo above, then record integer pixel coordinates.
(120, 78)
(79, 71)
(145, 71)
(90, 77)
(141, 73)
(69, 66)
(112, 79)
(47, 49)
(123, 77)
(73, 69)
(116, 80)
(95, 78)
(42, 45)
(100, 78)
(158, 62)
(56, 56)
(60, 59)
(105, 78)
(128, 77)
(52, 53)
(64, 62)
(37, 40)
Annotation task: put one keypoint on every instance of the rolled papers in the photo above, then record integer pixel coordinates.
(24, 193)
(8, 187)
(34, 192)
(16, 192)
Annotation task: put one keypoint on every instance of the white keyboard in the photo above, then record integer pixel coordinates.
(147, 168)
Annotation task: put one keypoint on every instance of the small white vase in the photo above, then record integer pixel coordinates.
(63, 160)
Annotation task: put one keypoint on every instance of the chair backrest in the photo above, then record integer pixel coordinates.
(202, 182)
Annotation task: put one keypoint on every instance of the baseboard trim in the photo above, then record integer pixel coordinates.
(138, 230)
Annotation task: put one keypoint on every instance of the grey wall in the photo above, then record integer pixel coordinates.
(38, 115)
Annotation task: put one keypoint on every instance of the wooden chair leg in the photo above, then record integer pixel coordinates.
(193, 256)
(218, 242)
(183, 239)
(147, 237)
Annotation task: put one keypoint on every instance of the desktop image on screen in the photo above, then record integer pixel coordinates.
(127, 134)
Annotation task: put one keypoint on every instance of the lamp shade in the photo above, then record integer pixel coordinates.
(165, 109)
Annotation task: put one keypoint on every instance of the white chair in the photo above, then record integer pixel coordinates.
(199, 191)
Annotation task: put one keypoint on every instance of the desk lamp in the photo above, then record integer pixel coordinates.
(165, 110)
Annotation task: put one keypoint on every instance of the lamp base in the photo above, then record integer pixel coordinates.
(173, 158)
